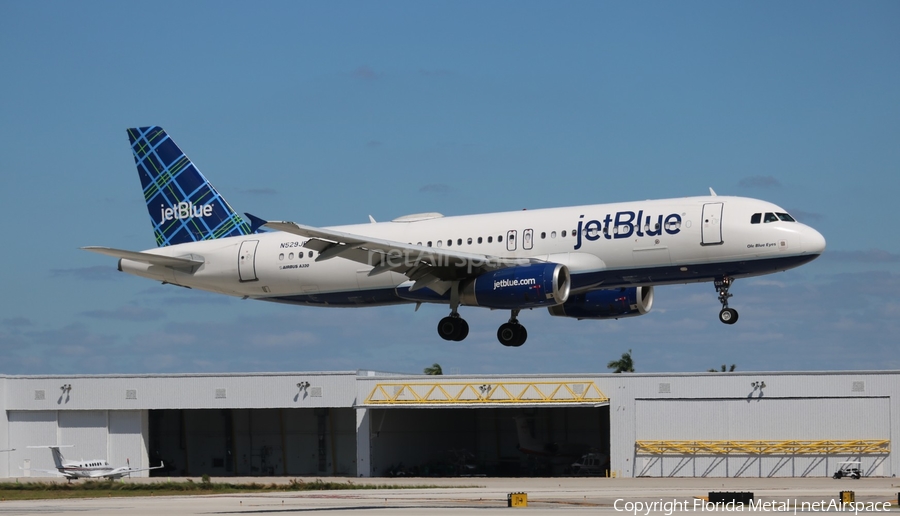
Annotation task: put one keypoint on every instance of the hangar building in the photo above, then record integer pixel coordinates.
(377, 424)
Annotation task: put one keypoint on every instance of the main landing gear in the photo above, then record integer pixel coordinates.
(512, 334)
(454, 327)
(726, 315)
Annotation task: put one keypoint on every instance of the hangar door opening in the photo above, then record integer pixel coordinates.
(535, 441)
(253, 442)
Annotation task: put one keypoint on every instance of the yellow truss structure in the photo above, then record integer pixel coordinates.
(467, 393)
(854, 447)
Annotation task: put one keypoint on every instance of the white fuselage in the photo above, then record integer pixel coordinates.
(676, 241)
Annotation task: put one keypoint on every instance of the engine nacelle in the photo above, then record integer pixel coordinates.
(523, 286)
(606, 304)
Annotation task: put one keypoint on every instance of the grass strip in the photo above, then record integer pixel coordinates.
(111, 488)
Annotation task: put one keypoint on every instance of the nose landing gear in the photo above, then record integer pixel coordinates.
(726, 315)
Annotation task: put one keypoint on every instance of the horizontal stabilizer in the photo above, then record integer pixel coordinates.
(152, 259)
(53, 446)
(255, 222)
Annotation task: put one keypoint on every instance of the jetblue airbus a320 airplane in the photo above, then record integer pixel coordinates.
(585, 262)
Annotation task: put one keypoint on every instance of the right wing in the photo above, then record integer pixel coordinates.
(121, 472)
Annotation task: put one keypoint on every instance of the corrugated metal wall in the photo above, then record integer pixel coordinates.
(116, 437)
(31, 429)
(775, 419)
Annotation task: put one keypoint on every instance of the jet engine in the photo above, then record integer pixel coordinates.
(606, 304)
(523, 286)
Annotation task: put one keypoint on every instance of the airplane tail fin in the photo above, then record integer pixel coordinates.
(183, 205)
(527, 443)
(58, 459)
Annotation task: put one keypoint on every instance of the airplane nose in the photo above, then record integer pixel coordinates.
(812, 241)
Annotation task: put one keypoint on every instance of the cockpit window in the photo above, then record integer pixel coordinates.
(785, 217)
(755, 218)
(770, 217)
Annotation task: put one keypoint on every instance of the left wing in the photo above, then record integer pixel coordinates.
(427, 266)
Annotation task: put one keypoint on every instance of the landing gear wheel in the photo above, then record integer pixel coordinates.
(728, 315)
(512, 334)
(462, 330)
(453, 328)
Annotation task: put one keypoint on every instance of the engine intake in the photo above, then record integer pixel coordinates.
(606, 304)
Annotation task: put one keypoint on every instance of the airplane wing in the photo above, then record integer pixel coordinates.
(427, 266)
(53, 472)
(152, 259)
(125, 470)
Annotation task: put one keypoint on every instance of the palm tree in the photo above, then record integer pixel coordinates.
(623, 365)
(730, 370)
(435, 369)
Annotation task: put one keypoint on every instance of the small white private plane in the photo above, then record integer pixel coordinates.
(86, 468)
(585, 262)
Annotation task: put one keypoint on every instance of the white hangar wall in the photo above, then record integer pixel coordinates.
(723, 411)
(108, 418)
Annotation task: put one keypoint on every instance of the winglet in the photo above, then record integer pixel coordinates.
(712, 192)
(255, 222)
(371, 219)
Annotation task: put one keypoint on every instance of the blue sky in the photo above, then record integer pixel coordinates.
(326, 112)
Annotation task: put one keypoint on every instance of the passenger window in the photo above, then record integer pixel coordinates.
(490, 239)
(479, 240)
(310, 254)
(563, 233)
(469, 241)
(439, 243)
(755, 218)
(281, 256)
(553, 234)
(449, 242)
(785, 217)
(418, 243)
(459, 241)
(499, 238)
(291, 256)
(770, 217)
(543, 235)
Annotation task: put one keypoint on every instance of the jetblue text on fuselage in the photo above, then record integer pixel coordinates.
(626, 224)
(184, 210)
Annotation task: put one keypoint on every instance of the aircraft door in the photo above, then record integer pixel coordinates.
(711, 231)
(511, 240)
(528, 239)
(247, 260)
